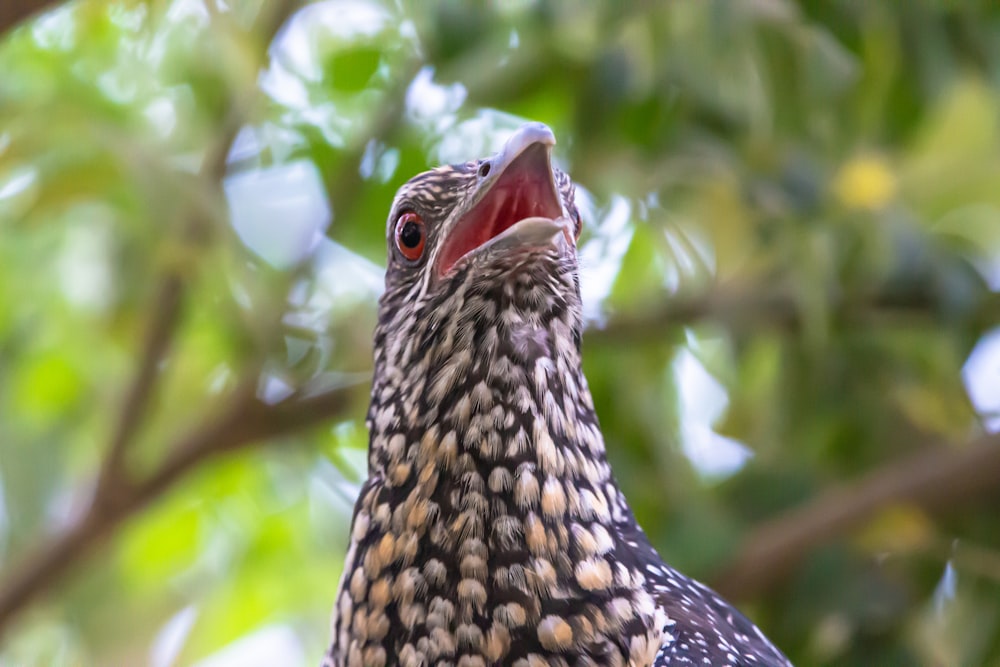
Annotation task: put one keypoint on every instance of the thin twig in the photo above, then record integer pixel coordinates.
(160, 334)
(165, 312)
(164, 316)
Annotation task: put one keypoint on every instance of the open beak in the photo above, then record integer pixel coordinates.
(516, 203)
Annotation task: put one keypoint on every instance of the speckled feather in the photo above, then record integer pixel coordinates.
(491, 530)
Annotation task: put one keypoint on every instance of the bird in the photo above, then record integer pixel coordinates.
(491, 529)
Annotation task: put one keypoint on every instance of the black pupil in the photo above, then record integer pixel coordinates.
(484, 170)
(411, 234)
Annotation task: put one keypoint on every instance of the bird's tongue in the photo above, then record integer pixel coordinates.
(523, 190)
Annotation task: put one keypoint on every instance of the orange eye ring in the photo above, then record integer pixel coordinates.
(410, 236)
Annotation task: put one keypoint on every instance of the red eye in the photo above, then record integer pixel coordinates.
(410, 236)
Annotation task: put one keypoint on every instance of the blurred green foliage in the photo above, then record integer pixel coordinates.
(792, 250)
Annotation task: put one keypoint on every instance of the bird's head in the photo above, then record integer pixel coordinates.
(481, 256)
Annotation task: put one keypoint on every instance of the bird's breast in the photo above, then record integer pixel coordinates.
(489, 535)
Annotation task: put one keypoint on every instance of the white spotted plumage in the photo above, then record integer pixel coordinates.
(491, 529)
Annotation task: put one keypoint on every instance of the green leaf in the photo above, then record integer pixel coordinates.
(350, 70)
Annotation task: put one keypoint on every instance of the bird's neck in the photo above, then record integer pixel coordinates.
(491, 403)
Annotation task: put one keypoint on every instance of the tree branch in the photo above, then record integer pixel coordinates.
(119, 493)
(116, 493)
(245, 422)
(741, 307)
(14, 12)
(937, 480)
(165, 312)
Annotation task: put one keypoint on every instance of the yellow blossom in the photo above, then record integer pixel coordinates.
(865, 182)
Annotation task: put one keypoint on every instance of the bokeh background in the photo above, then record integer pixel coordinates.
(790, 266)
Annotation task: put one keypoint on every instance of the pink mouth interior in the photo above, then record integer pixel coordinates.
(524, 190)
